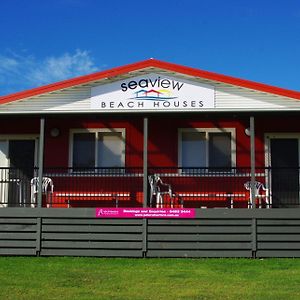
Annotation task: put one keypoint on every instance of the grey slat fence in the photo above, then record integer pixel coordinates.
(213, 233)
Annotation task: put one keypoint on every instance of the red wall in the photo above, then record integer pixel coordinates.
(162, 143)
(57, 149)
(163, 134)
(163, 137)
(271, 124)
(19, 125)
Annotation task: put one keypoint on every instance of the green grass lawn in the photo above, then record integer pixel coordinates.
(99, 278)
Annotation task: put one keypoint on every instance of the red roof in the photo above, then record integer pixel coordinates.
(147, 64)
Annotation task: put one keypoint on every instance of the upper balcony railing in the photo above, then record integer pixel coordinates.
(167, 187)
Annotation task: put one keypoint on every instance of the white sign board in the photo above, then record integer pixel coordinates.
(152, 92)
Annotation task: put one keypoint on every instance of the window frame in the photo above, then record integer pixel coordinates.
(207, 131)
(97, 131)
(16, 137)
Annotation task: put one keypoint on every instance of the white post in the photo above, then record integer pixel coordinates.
(145, 163)
(252, 155)
(41, 161)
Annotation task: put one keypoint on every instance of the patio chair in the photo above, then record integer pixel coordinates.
(261, 192)
(159, 191)
(47, 189)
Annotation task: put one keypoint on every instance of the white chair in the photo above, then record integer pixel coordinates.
(260, 192)
(47, 189)
(158, 190)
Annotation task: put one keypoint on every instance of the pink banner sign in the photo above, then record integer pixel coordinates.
(138, 212)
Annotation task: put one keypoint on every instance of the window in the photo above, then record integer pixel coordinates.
(97, 148)
(84, 150)
(208, 147)
(219, 145)
(193, 149)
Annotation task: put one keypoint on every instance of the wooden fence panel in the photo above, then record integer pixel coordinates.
(213, 233)
(200, 238)
(18, 236)
(92, 237)
(278, 238)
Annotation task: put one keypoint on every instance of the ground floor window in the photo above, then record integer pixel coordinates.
(97, 148)
(206, 147)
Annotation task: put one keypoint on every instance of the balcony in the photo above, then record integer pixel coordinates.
(123, 187)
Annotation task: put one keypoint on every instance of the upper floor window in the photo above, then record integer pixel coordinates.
(206, 148)
(97, 148)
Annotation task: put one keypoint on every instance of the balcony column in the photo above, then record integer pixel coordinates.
(41, 161)
(145, 163)
(252, 160)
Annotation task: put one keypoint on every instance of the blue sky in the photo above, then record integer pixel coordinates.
(51, 40)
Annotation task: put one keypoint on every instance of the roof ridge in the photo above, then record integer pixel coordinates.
(152, 62)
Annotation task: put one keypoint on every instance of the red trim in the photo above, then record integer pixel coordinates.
(147, 64)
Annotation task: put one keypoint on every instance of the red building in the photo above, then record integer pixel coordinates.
(99, 139)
